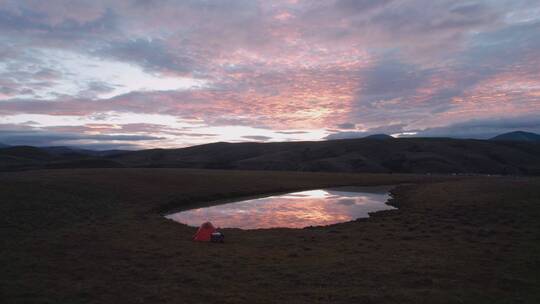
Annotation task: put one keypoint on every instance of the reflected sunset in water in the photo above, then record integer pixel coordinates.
(293, 210)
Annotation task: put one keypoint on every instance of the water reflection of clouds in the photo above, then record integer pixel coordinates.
(293, 210)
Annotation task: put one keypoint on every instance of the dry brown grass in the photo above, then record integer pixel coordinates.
(96, 236)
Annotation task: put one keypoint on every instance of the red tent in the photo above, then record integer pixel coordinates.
(204, 232)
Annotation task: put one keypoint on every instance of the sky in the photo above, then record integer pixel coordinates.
(133, 74)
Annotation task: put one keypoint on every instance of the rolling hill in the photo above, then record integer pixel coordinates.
(406, 155)
(379, 136)
(17, 158)
(518, 136)
(399, 155)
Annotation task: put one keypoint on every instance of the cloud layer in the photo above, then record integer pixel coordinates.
(177, 73)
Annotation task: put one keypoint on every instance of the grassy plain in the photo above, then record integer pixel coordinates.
(97, 236)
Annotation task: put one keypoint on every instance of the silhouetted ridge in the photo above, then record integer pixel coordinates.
(400, 155)
(27, 152)
(517, 136)
(379, 136)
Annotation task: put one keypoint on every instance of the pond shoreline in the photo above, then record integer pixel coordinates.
(201, 203)
(295, 209)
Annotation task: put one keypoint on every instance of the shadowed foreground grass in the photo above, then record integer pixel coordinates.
(97, 236)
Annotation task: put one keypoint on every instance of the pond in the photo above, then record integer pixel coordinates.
(292, 210)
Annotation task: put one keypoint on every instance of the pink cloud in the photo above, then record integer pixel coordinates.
(277, 65)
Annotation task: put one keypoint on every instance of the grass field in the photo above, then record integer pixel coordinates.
(97, 236)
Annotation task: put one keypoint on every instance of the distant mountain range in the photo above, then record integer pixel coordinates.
(377, 154)
(518, 136)
(379, 136)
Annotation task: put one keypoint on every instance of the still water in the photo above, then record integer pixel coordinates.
(292, 210)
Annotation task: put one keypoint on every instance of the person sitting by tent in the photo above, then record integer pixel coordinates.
(217, 237)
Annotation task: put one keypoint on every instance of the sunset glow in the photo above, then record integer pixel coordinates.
(294, 210)
(135, 74)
